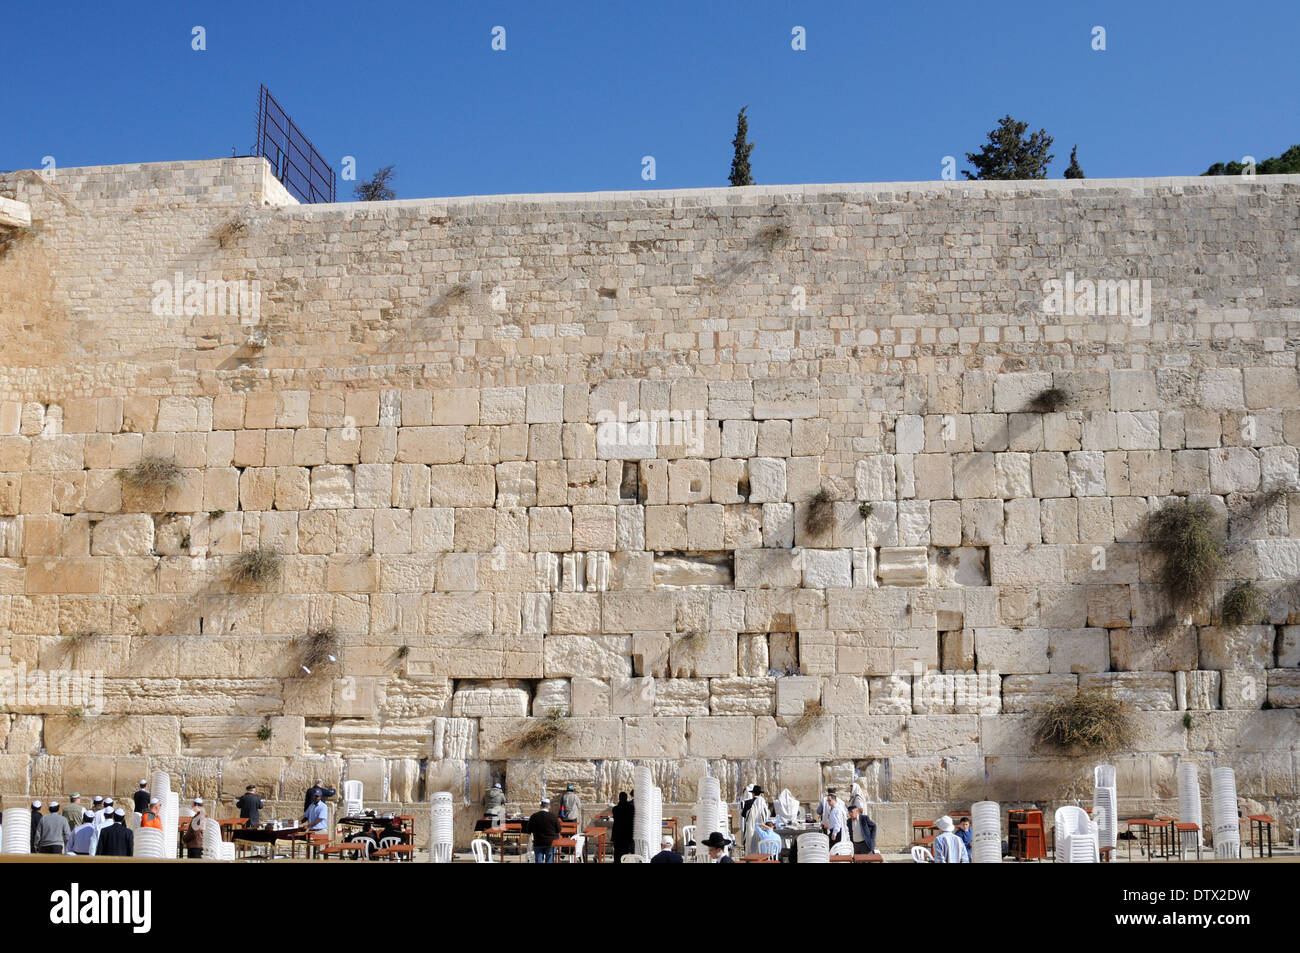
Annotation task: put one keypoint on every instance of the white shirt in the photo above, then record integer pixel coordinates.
(834, 819)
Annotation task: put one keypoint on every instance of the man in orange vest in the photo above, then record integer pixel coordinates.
(152, 817)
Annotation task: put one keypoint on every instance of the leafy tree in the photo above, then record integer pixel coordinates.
(377, 188)
(740, 174)
(1287, 163)
(1009, 155)
(1074, 172)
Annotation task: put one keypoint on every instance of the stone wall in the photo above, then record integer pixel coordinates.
(608, 454)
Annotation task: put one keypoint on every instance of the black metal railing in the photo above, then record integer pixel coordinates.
(303, 170)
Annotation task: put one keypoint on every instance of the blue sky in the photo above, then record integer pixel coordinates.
(584, 90)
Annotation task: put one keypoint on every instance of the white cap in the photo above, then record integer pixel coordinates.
(36, 804)
(545, 800)
(143, 782)
(119, 813)
(53, 805)
(107, 801)
(98, 799)
(668, 841)
(198, 801)
(153, 801)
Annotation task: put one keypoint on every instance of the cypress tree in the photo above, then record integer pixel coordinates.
(740, 174)
(1009, 155)
(1074, 172)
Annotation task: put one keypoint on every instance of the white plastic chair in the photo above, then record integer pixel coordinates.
(352, 798)
(842, 849)
(688, 835)
(921, 854)
(482, 851)
(633, 859)
(772, 848)
(1075, 837)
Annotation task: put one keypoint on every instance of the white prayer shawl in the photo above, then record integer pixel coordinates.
(856, 798)
(787, 807)
(758, 813)
(836, 819)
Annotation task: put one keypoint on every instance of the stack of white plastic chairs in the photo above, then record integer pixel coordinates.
(149, 842)
(352, 798)
(1223, 795)
(706, 814)
(1189, 803)
(986, 833)
(214, 848)
(648, 822)
(814, 848)
(1105, 805)
(17, 831)
(1076, 837)
(441, 840)
(171, 823)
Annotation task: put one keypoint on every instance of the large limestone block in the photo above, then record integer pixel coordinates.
(650, 737)
(827, 568)
(1248, 647)
(591, 739)
(1145, 649)
(903, 566)
(957, 693)
(1012, 393)
(597, 656)
(1036, 693)
(1012, 651)
(633, 611)
(891, 695)
(1143, 691)
(1075, 651)
(795, 693)
(722, 736)
(1234, 470)
(767, 569)
(1284, 688)
(1272, 387)
(786, 398)
(952, 736)
(632, 696)
(1026, 566)
(743, 696)
(704, 653)
(501, 699)
(126, 535)
(113, 734)
(682, 696)
(871, 736)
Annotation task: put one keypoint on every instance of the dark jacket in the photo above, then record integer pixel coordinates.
(724, 859)
(250, 806)
(863, 831)
(141, 799)
(115, 840)
(667, 857)
(624, 816)
(545, 827)
(324, 793)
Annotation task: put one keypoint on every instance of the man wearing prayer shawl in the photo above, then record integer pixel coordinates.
(787, 808)
(948, 848)
(757, 813)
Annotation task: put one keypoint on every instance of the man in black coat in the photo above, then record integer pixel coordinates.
(624, 815)
(250, 806)
(142, 797)
(116, 840)
(319, 786)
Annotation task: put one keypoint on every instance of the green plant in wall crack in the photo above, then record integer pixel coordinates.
(1187, 720)
(264, 732)
(1185, 538)
(819, 517)
(1091, 721)
(864, 510)
(1243, 604)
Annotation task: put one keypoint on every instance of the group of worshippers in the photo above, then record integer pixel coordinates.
(952, 844)
(544, 825)
(839, 820)
(848, 820)
(99, 830)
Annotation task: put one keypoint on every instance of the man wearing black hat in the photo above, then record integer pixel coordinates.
(624, 817)
(141, 797)
(250, 806)
(116, 840)
(717, 845)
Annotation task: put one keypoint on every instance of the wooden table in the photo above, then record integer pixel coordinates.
(509, 830)
(561, 844)
(1167, 837)
(1183, 828)
(758, 859)
(596, 836)
(920, 829)
(261, 835)
(229, 825)
(1260, 822)
(396, 852)
(1144, 830)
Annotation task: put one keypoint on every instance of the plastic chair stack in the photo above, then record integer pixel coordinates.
(814, 848)
(1076, 837)
(1105, 805)
(171, 822)
(211, 840)
(441, 840)
(986, 833)
(17, 831)
(706, 814)
(648, 822)
(1189, 802)
(150, 842)
(1223, 797)
(352, 798)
